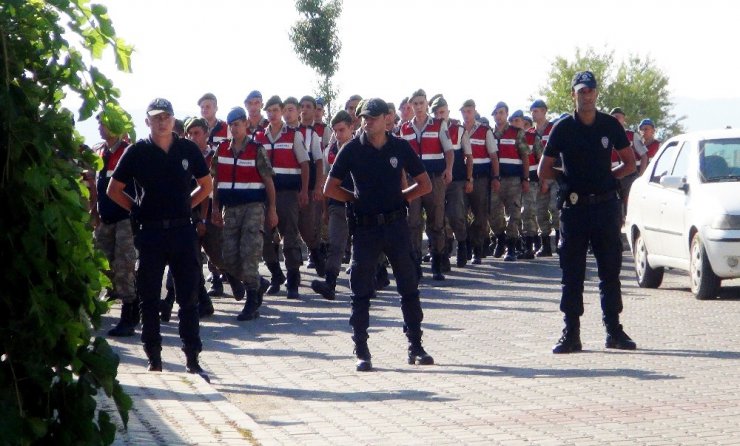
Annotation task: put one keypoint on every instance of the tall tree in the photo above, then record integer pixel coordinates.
(317, 44)
(636, 85)
(50, 367)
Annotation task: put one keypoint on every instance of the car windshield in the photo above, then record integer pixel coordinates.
(720, 160)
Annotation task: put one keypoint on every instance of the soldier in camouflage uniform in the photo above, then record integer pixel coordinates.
(113, 234)
(242, 183)
(513, 156)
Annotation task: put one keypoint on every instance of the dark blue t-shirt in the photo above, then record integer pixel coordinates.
(586, 151)
(163, 177)
(377, 172)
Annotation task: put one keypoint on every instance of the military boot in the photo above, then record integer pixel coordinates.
(205, 306)
(294, 280)
(249, 311)
(477, 255)
(278, 278)
(510, 250)
(165, 305)
(217, 286)
(417, 354)
(570, 341)
(264, 285)
(528, 252)
(500, 245)
(129, 320)
(154, 357)
(192, 365)
(615, 335)
(537, 243)
(462, 254)
(488, 248)
(546, 249)
(362, 352)
(237, 288)
(326, 288)
(437, 267)
(444, 263)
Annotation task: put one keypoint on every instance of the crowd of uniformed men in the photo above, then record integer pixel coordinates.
(268, 173)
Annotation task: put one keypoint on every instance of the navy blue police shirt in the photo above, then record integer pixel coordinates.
(376, 172)
(164, 177)
(586, 151)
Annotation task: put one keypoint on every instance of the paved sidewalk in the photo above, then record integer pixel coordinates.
(490, 329)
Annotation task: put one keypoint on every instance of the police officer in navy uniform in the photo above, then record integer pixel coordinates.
(590, 209)
(376, 161)
(163, 167)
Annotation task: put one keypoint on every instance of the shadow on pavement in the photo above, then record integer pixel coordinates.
(531, 373)
(350, 397)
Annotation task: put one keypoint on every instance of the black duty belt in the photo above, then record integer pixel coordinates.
(379, 219)
(167, 224)
(576, 199)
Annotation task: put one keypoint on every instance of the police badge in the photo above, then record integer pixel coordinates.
(394, 162)
(573, 197)
(605, 142)
(185, 164)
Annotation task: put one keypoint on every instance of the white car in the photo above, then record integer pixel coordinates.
(684, 212)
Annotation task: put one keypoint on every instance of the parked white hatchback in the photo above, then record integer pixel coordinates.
(684, 212)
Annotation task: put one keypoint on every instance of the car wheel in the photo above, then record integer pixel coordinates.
(704, 283)
(647, 276)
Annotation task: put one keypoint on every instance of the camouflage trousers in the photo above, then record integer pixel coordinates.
(506, 207)
(242, 241)
(548, 217)
(286, 202)
(479, 199)
(309, 222)
(116, 240)
(529, 210)
(433, 204)
(455, 210)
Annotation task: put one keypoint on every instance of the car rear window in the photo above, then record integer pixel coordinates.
(720, 160)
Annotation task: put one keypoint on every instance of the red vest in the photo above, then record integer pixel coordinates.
(545, 136)
(531, 137)
(218, 134)
(238, 179)
(508, 155)
(320, 128)
(427, 145)
(283, 160)
(652, 148)
(481, 159)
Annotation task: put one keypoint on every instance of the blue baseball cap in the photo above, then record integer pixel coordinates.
(236, 114)
(254, 94)
(646, 121)
(583, 79)
(159, 105)
(320, 102)
(500, 104)
(373, 107)
(539, 103)
(516, 114)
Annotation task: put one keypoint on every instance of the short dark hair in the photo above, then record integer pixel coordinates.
(341, 116)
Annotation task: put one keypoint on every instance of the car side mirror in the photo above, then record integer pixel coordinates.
(674, 182)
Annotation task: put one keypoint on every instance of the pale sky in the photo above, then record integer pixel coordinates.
(485, 50)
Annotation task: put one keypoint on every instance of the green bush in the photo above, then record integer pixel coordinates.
(51, 368)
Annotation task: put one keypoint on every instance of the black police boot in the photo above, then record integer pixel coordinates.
(327, 289)
(546, 249)
(444, 262)
(519, 246)
(417, 354)
(237, 288)
(192, 365)
(615, 335)
(277, 279)
(165, 305)
(557, 242)
(264, 285)
(470, 251)
(510, 250)
(217, 286)
(537, 243)
(477, 255)
(362, 352)
(462, 254)
(570, 341)
(249, 311)
(528, 252)
(205, 306)
(319, 262)
(437, 267)
(154, 356)
(294, 280)
(129, 320)
(381, 277)
(500, 245)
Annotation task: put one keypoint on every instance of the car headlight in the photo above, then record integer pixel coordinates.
(726, 222)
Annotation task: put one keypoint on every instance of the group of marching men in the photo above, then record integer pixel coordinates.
(269, 173)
